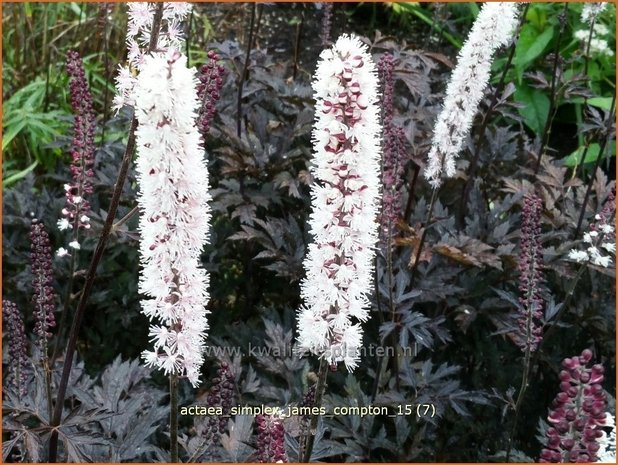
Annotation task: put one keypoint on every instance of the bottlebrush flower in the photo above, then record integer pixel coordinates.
(43, 298)
(209, 91)
(531, 277)
(345, 198)
(493, 27)
(578, 413)
(600, 241)
(270, 440)
(393, 157)
(18, 345)
(141, 16)
(75, 213)
(174, 221)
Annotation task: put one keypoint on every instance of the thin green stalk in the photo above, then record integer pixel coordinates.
(174, 418)
(305, 454)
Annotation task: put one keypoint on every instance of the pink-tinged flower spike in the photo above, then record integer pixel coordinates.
(578, 413)
(174, 221)
(270, 440)
(345, 199)
(18, 345)
(531, 275)
(141, 16)
(75, 213)
(209, 91)
(43, 298)
(494, 26)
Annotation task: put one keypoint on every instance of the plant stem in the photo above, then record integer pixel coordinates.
(604, 143)
(125, 218)
(434, 196)
(305, 455)
(520, 398)
(174, 418)
(96, 258)
(530, 361)
(243, 74)
(552, 99)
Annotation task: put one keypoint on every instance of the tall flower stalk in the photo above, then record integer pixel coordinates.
(17, 345)
(530, 300)
(345, 200)
(174, 220)
(43, 296)
(494, 26)
(76, 213)
(345, 197)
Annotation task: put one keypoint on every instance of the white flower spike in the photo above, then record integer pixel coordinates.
(174, 220)
(345, 199)
(494, 27)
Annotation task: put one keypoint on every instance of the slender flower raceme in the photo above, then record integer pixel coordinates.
(345, 198)
(18, 345)
(600, 241)
(75, 213)
(222, 395)
(494, 27)
(43, 298)
(209, 90)
(393, 157)
(141, 17)
(531, 276)
(174, 221)
(578, 413)
(327, 21)
(591, 10)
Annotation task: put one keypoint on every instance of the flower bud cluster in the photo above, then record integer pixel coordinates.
(577, 414)
(175, 215)
(531, 275)
(494, 27)
(43, 298)
(345, 198)
(221, 394)
(141, 17)
(77, 209)
(394, 154)
(601, 239)
(327, 21)
(13, 326)
(209, 91)
(270, 440)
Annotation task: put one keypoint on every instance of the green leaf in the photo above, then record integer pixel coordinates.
(12, 132)
(535, 109)
(529, 46)
(13, 178)
(591, 155)
(601, 102)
